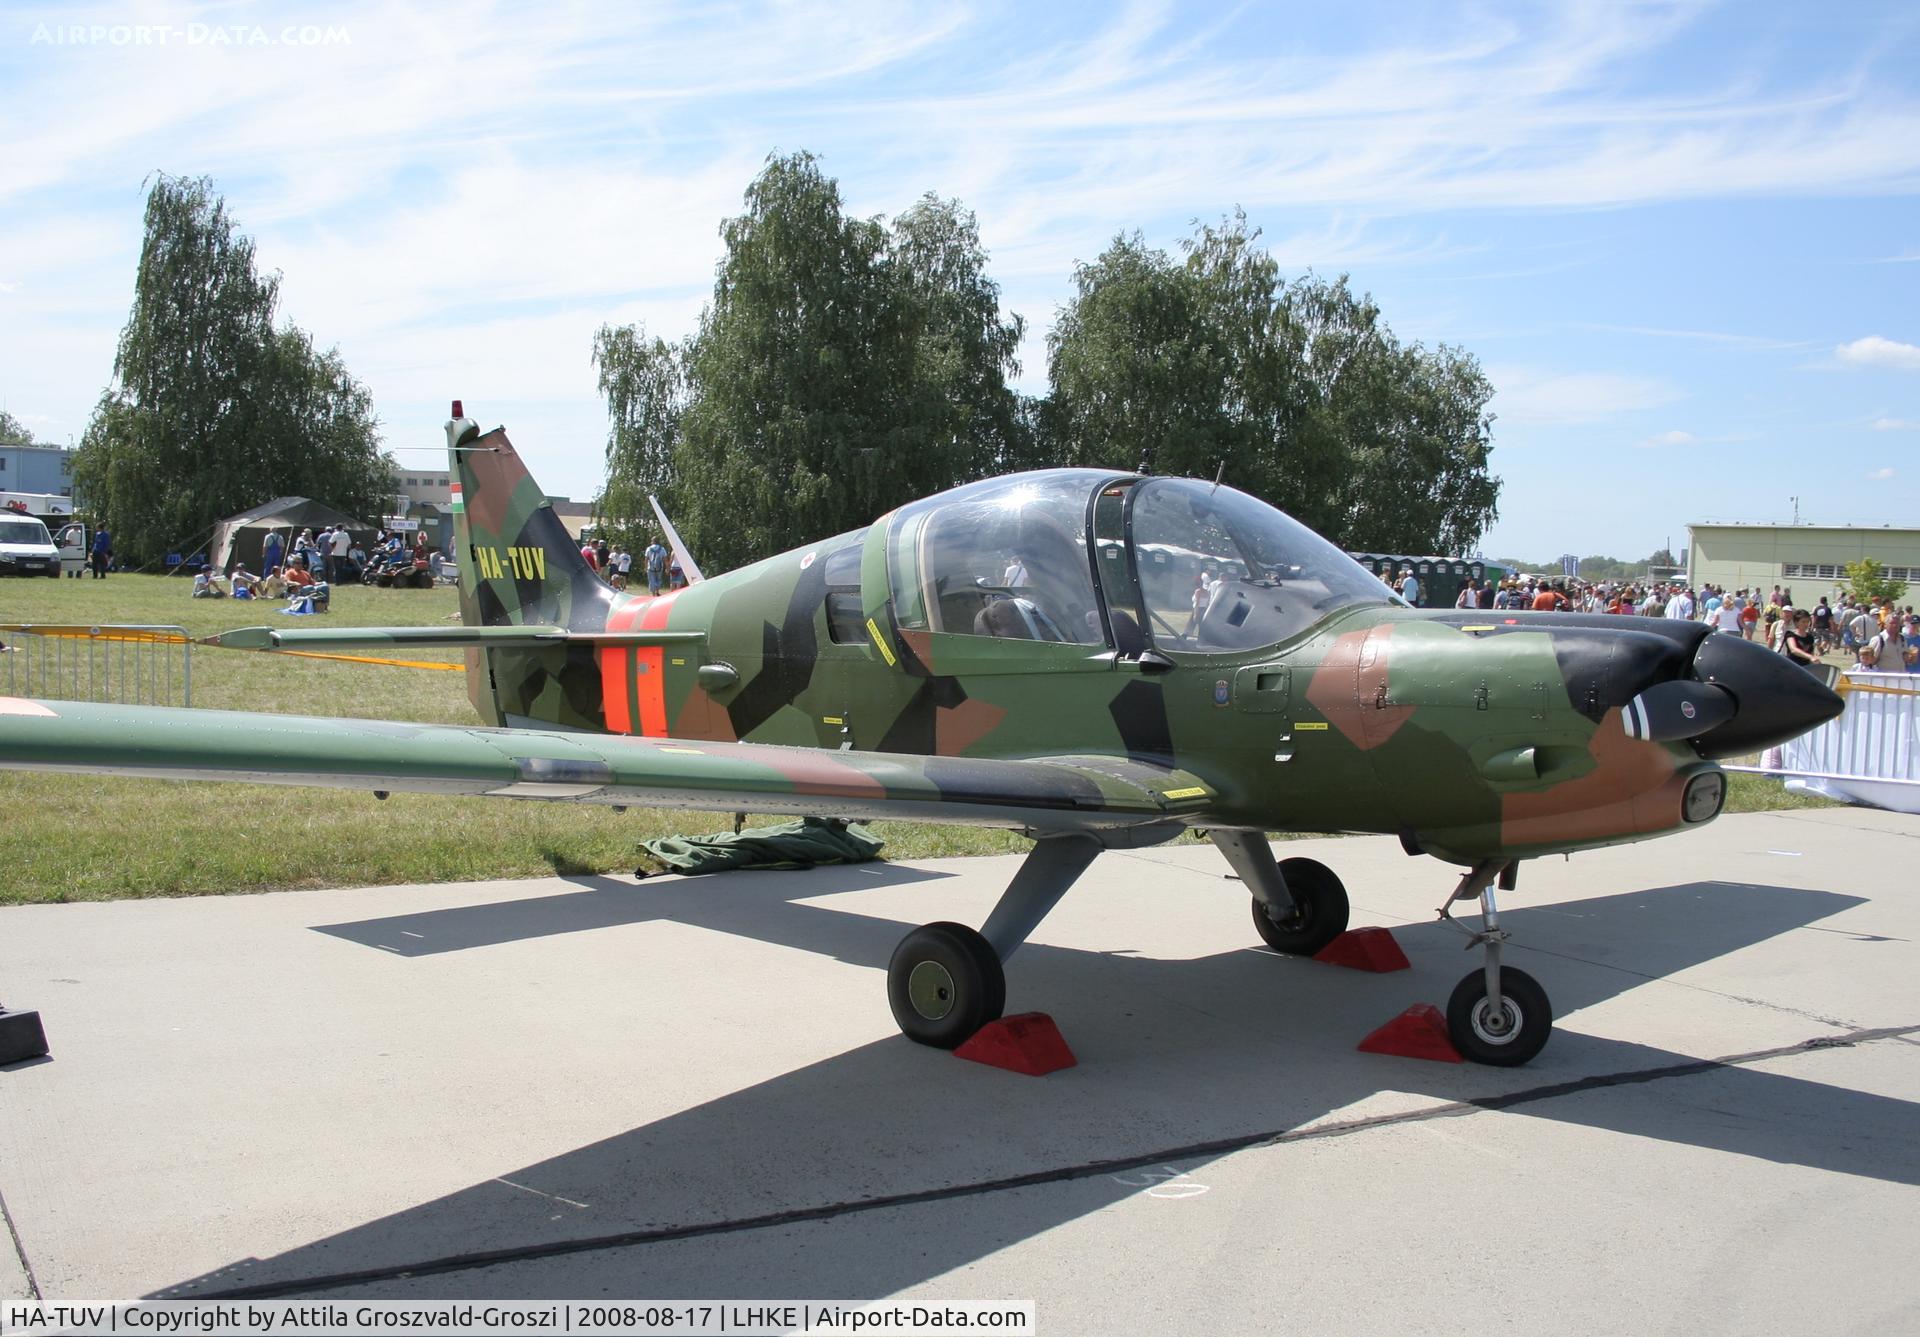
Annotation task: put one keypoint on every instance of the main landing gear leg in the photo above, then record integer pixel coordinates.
(1497, 1015)
(1299, 905)
(945, 981)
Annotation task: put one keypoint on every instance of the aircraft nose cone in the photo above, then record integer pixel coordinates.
(1774, 698)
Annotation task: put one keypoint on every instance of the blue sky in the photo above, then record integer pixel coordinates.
(1682, 238)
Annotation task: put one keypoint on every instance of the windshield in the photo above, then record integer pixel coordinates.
(1220, 570)
(24, 531)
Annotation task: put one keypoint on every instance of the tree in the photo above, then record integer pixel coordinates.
(1135, 377)
(843, 367)
(797, 370)
(13, 432)
(1868, 580)
(1293, 391)
(961, 420)
(645, 383)
(214, 409)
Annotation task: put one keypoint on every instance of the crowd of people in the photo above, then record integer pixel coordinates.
(615, 565)
(304, 570)
(1881, 635)
(308, 566)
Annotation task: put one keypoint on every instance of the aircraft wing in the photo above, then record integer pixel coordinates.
(1051, 795)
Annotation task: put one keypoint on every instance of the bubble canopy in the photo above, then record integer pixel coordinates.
(1097, 560)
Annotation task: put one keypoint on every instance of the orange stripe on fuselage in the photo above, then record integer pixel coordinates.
(649, 678)
(616, 672)
(653, 614)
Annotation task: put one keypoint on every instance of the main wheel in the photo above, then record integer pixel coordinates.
(1319, 912)
(944, 983)
(1507, 1036)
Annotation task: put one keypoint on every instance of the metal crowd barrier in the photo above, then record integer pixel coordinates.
(1873, 743)
(140, 664)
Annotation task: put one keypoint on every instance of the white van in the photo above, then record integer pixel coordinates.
(75, 541)
(26, 549)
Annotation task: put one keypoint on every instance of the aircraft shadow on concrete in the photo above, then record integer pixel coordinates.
(1175, 1055)
(726, 902)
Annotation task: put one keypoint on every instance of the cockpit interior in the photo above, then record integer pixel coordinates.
(1087, 558)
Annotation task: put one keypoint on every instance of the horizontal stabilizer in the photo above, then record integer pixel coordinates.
(496, 638)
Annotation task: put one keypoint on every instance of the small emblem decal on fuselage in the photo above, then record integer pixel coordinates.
(1222, 693)
(807, 561)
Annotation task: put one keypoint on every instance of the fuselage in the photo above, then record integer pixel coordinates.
(1076, 613)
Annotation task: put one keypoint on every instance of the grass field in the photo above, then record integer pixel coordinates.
(70, 838)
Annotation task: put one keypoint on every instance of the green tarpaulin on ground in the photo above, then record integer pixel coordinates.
(801, 844)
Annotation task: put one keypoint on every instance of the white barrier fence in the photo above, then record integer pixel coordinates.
(142, 665)
(1870, 753)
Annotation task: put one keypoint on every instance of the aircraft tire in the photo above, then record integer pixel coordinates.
(1320, 909)
(1527, 1019)
(944, 983)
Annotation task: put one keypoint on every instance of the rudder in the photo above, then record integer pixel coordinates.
(518, 565)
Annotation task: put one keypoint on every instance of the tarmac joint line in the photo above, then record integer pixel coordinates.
(20, 1250)
(1063, 1174)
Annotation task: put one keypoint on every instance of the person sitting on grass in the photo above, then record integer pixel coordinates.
(301, 585)
(243, 581)
(274, 584)
(206, 585)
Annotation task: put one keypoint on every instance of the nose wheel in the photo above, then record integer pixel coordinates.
(1497, 1015)
(1505, 1031)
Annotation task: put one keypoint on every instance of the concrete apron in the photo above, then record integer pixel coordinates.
(319, 1092)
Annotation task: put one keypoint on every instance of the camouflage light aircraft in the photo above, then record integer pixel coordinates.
(1096, 659)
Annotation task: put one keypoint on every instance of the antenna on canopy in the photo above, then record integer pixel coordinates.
(1146, 461)
(1218, 474)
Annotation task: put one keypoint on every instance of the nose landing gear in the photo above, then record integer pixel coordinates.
(1496, 1015)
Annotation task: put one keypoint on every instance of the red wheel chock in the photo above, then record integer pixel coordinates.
(1027, 1043)
(1374, 949)
(1419, 1032)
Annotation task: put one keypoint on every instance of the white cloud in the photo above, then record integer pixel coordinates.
(1894, 425)
(1880, 475)
(463, 190)
(1530, 395)
(1671, 439)
(1873, 351)
(1699, 336)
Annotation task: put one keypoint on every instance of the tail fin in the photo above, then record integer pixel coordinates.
(518, 565)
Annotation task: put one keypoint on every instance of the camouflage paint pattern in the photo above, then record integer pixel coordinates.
(156, 742)
(1471, 735)
(790, 686)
